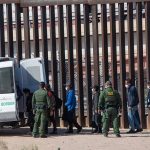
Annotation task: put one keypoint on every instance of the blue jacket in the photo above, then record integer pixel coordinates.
(132, 96)
(70, 100)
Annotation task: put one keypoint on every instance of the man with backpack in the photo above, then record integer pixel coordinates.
(110, 104)
(55, 105)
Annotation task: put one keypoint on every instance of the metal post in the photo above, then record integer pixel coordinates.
(124, 120)
(26, 33)
(87, 64)
(10, 30)
(79, 64)
(95, 45)
(2, 35)
(35, 32)
(140, 62)
(70, 44)
(18, 32)
(104, 43)
(113, 46)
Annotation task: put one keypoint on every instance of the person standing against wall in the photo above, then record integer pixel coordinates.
(96, 117)
(28, 96)
(148, 94)
(71, 106)
(51, 115)
(132, 104)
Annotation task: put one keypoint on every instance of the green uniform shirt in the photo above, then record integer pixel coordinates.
(109, 97)
(40, 98)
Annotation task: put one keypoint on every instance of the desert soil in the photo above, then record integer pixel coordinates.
(19, 139)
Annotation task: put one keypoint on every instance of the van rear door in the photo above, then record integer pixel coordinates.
(8, 93)
(32, 72)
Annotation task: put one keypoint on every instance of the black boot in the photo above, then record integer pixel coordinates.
(79, 129)
(95, 129)
(99, 129)
(54, 131)
(94, 126)
(70, 130)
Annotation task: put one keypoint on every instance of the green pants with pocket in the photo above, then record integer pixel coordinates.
(110, 115)
(40, 121)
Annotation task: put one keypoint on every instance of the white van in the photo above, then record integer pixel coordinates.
(13, 78)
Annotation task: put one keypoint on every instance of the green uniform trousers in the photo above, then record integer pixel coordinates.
(40, 121)
(110, 114)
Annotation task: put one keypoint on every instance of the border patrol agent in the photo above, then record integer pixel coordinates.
(40, 104)
(109, 104)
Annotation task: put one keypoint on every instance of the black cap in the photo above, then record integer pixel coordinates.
(68, 83)
(96, 87)
(42, 84)
(26, 90)
(47, 86)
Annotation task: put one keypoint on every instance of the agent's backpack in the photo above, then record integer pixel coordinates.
(110, 98)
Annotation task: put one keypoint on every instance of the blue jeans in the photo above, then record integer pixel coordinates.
(96, 119)
(133, 117)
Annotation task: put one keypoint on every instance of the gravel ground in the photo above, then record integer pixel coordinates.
(19, 139)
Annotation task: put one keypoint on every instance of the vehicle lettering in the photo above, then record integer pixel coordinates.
(7, 103)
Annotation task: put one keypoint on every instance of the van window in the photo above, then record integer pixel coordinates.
(6, 80)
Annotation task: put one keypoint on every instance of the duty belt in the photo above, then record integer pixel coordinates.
(38, 106)
(108, 106)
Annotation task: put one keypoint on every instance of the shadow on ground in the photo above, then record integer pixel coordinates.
(25, 132)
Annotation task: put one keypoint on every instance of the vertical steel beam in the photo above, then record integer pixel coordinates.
(70, 44)
(147, 23)
(9, 30)
(54, 63)
(140, 62)
(35, 32)
(53, 50)
(87, 64)
(18, 32)
(44, 40)
(2, 34)
(26, 33)
(113, 45)
(61, 53)
(130, 41)
(122, 65)
(104, 43)
(79, 64)
(95, 45)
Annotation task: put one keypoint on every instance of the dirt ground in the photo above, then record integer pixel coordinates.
(18, 139)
